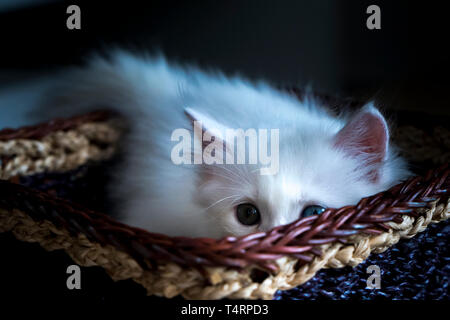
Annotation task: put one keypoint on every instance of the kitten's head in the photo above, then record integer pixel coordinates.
(321, 164)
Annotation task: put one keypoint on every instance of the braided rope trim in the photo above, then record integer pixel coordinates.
(36, 132)
(58, 151)
(170, 279)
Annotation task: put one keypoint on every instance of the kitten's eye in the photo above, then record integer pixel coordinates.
(312, 210)
(248, 214)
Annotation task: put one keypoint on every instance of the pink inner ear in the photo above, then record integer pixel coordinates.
(365, 135)
(204, 144)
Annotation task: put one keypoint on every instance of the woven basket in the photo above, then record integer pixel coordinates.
(250, 267)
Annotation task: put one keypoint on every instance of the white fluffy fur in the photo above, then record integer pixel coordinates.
(153, 193)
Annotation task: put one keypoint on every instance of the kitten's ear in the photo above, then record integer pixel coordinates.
(211, 136)
(213, 127)
(366, 136)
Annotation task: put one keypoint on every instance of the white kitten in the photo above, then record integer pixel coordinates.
(323, 160)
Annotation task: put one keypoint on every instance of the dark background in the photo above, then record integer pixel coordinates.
(325, 43)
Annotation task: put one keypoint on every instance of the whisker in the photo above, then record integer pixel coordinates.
(217, 202)
(241, 169)
(224, 176)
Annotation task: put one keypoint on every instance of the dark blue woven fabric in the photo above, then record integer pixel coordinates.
(414, 269)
